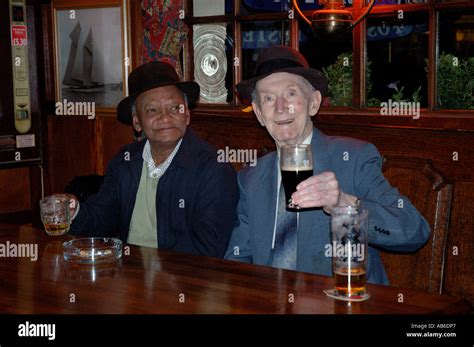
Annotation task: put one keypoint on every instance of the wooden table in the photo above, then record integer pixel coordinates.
(158, 281)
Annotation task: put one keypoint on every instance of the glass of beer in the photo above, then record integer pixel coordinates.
(349, 226)
(296, 164)
(55, 214)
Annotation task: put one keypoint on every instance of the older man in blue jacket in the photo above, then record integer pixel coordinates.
(285, 94)
(167, 191)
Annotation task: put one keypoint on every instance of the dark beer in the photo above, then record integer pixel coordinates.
(291, 177)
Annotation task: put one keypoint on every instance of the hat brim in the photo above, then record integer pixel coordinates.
(124, 108)
(317, 79)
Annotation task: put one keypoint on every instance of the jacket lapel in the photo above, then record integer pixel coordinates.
(313, 225)
(135, 166)
(265, 203)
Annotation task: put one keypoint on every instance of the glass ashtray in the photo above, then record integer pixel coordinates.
(92, 250)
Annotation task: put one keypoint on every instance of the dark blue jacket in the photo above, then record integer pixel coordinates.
(195, 202)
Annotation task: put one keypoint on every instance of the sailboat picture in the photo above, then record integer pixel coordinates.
(90, 56)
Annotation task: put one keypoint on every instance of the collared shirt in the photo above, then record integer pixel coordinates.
(155, 171)
(307, 141)
(143, 224)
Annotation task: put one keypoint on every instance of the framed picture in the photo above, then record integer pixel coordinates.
(91, 55)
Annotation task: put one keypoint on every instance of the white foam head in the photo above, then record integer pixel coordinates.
(296, 168)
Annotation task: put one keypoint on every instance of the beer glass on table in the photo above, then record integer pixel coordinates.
(296, 164)
(56, 214)
(349, 246)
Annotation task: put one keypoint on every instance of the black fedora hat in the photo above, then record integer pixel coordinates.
(282, 59)
(149, 76)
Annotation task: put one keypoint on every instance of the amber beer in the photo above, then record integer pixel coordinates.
(349, 283)
(55, 214)
(349, 225)
(291, 177)
(56, 229)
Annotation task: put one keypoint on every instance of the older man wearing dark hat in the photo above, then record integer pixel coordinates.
(168, 190)
(285, 94)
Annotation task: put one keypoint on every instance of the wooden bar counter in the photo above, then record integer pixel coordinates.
(151, 281)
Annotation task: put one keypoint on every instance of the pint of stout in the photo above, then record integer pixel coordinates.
(296, 164)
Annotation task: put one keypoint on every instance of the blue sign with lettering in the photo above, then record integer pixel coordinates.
(384, 32)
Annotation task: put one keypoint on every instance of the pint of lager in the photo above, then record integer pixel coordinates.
(349, 249)
(296, 164)
(55, 214)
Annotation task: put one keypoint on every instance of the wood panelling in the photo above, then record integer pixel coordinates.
(428, 191)
(459, 269)
(111, 136)
(70, 151)
(244, 134)
(15, 190)
(136, 32)
(37, 193)
(441, 147)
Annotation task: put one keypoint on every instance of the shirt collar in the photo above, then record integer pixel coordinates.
(155, 171)
(307, 141)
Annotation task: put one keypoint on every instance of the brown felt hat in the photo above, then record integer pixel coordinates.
(282, 59)
(149, 76)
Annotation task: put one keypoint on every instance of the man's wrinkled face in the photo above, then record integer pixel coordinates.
(162, 114)
(284, 104)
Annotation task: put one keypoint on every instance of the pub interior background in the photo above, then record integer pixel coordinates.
(406, 50)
